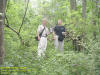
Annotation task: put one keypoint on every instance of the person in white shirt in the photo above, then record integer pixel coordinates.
(42, 44)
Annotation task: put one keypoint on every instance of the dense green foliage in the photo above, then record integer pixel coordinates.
(85, 62)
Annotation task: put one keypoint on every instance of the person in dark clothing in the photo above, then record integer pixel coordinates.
(58, 36)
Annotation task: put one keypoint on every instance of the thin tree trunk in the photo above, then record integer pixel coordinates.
(73, 5)
(95, 15)
(2, 9)
(84, 9)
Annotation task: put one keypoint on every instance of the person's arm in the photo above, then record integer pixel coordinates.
(54, 33)
(38, 35)
(64, 32)
(48, 32)
(38, 32)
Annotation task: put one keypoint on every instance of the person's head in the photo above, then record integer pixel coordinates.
(59, 22)
(44, 21)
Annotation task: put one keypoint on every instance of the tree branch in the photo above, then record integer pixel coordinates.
(7, 25)
(24, 16)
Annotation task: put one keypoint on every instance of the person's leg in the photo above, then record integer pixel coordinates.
(61, 46)
(44, 45)
(40, 47)
(56, 42)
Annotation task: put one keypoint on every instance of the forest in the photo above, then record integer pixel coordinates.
(19, 21)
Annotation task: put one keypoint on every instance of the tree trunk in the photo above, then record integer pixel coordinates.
(73, 5)
(95, 13)
(84, 8)
(2, 8)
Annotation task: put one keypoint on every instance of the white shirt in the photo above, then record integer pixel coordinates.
(45, 32)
